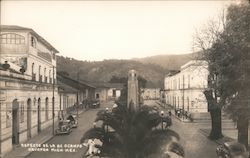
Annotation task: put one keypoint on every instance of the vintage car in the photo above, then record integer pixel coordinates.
(95, 103)
(64, 127)
(73, 121)
(232, 150)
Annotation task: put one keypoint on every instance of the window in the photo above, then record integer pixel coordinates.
(46, 109)
(11, 38)
(33, 42)
(188, 81)
(54, 56)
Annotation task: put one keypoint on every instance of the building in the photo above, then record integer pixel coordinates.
(108, 91)
(151, 93)
(29, 98)
(73, 92)
(184, 88)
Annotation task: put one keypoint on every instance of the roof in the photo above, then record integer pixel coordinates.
(65, 87)
(19, 28)
(194, 63)
(109, 85)
(172, 73)
(73, 83)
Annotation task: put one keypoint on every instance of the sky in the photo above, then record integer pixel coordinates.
(97, 30)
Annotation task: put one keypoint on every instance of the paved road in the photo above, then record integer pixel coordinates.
(86, 120)
(195, 144)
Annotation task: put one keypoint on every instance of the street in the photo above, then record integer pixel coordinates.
(195, 144)
(85, 122)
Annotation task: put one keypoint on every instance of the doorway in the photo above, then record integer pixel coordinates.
(39, 116)
(15, 122)
(29, 118)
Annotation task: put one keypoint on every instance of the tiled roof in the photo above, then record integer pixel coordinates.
(73, 82)
(66, 88)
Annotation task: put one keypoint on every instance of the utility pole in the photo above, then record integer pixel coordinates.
(53, 102)
(183, 96)
(77, 104)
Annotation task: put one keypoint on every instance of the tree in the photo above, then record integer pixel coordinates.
(235, 67)
(228, 56)
(204, 41)
(134, 134)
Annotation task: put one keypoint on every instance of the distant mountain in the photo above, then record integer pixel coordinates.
(153, 69)
(102, 71)
(170, 62)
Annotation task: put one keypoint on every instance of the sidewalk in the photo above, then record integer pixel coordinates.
(166, 107)
(219, 141)
(41, 138)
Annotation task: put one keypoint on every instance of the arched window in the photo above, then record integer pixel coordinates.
(50, 79)
(32, 68)
(46, 109)
(39, 74)
(11, 38)
(45, 77)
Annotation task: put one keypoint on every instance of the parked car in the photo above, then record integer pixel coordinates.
(73, 121)
(95, 103)
(64, 127)
(232, 150)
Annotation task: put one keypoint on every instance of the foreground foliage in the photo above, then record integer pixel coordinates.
(134, 134)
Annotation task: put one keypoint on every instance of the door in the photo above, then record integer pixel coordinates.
(29, 118)
(15, 122)
(39, 116)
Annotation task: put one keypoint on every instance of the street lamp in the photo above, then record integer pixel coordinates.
(106, 129)
(162, 113)
(106, 111)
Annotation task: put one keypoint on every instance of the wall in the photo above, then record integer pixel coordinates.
(184, 90)
(23, 91)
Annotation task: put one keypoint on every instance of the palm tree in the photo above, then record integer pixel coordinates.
(134, 134)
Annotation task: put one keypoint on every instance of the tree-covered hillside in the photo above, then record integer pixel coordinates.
(102, 71)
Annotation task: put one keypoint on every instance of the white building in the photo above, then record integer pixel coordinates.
(151, 93)
(27, 74)
(184, 88)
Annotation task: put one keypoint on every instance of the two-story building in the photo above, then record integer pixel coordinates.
(184, 88)
(151, 93)
(28, 98)
(108, 91)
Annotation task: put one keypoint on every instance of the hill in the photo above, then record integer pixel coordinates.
(102, 71)
(171, 62)
(153, 69)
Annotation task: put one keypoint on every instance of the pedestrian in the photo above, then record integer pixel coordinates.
(92, 150)
(178, 113)
(169, 113)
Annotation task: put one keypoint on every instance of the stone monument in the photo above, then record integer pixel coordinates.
(133, 91)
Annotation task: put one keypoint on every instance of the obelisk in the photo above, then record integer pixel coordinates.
(133, 97)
